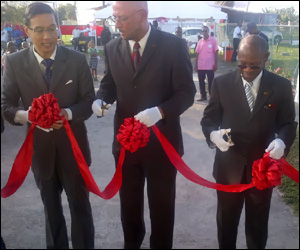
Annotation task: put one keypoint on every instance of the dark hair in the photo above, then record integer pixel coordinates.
(37, 8)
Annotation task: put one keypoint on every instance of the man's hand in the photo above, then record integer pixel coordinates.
(149, 116)
(99, 106)
(215, 67)
(217, 138)
(276, 149)
(59, 124)
(22, 117)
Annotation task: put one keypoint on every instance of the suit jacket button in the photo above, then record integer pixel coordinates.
(134, 86)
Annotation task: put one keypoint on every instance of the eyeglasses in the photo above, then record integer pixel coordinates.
(251, 67)
(204, 30)
(123, 19)
(40, 31)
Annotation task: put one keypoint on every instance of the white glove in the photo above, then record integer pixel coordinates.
(22, 117)
(149, 116)
(98, 107)
(217, 138)
(276, 147)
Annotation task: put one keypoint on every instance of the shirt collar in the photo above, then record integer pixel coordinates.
(142, 42)
(40, 59)
(256, 81)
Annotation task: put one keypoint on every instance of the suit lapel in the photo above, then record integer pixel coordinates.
(238, 88)
(126, 56)
(31, 65)
(151, 45)
(59, 68)
(264, 92)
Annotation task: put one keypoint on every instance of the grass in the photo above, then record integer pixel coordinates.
(289, 188)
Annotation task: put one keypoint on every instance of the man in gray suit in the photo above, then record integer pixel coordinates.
(53, 164)
(155, 87)
(258, 107)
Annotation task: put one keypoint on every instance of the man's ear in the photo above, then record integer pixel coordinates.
(26, 30)
(267, 56)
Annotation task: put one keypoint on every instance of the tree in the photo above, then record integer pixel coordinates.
(66, 12)
(225, 3)
(284, 15)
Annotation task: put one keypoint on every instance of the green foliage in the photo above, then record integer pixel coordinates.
(12, 14)
(284, 15)
(289, 188)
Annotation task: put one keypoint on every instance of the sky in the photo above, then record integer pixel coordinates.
(86, 16)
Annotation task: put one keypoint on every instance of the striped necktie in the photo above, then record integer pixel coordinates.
(48, 72)
(249, 95)
(136, 55)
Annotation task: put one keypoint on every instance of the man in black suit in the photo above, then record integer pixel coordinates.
(264, 124)
(53, 164)
(157, 91)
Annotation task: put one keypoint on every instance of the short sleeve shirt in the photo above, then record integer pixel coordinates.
(206, 50)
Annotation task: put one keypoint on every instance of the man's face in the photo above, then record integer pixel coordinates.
(178, 32)
(205, 33)
(128, 20)
(42, 31)
(251, 62)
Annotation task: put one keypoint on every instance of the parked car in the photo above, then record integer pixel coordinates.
(191, 34)
(268, 32)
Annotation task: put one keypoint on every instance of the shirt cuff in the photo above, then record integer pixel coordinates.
(69, 114)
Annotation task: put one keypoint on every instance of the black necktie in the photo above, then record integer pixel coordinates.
(136, 55)
(48, 72)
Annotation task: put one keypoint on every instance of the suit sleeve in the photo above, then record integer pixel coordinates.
(212, 115)
(86, 94)
(10, 94)
(107, 89)
(184, 90)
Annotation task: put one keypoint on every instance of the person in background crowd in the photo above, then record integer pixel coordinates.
(154, 89)
(237, 36)
(94, 55)
(9, 30)
(252, 30)
(178, 32)
(76, 34)
(206, 61)
(25, 45)
(11, 48)
(239, 105)
(105, 35)
(4, 39)
(42, 69)
(17, 37)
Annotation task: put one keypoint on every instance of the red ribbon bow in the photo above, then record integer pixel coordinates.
(132, 136)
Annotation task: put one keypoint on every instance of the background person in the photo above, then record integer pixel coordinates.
(237, 36)
(206, 61)
(53, 164)
(155, 90)
(252, 30)
(258, 107)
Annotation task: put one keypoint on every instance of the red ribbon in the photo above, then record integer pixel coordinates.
(44, 112)
(132, 135)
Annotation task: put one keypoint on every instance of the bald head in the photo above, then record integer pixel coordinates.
(252, 55)
(131, 19)
(254, 42)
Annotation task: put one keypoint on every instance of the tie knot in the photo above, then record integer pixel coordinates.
(250, 84)
(136, 46)
(47, 62)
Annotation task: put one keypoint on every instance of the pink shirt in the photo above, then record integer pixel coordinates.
(206, 49)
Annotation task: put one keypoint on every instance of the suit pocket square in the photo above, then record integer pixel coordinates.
(69, 82)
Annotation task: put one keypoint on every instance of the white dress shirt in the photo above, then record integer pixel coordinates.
(142, 42)
(255, 86)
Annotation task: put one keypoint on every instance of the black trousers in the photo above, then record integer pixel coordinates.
(149, 164)
(257, 207)
(82, 228)
(201, 76)
(236, 43)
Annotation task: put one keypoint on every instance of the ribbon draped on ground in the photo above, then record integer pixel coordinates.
(132, 135)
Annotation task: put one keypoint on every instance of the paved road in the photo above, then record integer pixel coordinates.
(22, 216)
